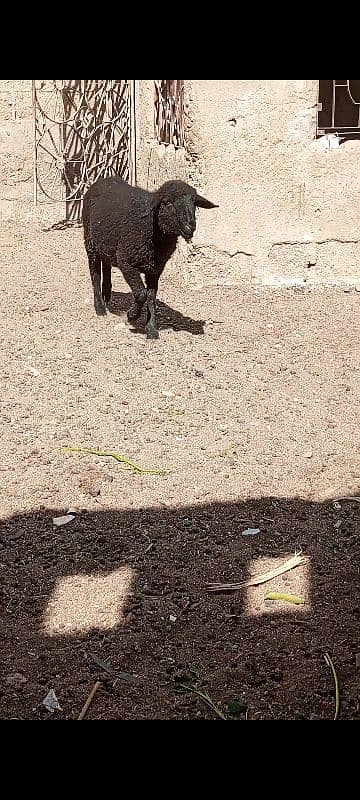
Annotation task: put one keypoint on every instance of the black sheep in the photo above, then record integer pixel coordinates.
(137, 231)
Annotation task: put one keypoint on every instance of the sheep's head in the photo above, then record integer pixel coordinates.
(176, 203)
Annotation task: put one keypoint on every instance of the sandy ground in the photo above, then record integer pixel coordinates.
(250, 402)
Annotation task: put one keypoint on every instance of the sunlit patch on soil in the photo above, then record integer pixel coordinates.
(83, 602)
(295, 582)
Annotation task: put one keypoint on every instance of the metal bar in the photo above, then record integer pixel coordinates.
(339, 129)
(96, 127)
(132, 133)
(33, 89)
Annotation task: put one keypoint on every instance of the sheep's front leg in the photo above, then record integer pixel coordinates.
(133, 279)
(152, 287)
(95, 274)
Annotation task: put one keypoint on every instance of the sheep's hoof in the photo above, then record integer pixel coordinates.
(152, 333)
(134, 313)
(100, 310)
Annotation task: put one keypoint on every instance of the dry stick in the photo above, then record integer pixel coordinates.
(330, 664)
(295, 561)
(85, 708)
(352, 499)
(122, 460)
(205, 698)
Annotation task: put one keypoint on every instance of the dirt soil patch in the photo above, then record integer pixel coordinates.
(250, 403)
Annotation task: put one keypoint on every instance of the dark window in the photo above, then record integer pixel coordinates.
(339, 108)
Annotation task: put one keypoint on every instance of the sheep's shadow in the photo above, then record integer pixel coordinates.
(167, 317)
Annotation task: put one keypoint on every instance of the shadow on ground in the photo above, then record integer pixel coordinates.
(270, 656)
(167, 317)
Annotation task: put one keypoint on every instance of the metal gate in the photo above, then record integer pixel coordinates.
(83, 130)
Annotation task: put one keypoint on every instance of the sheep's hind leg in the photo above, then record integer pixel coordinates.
(133, 279)
(106, 280)
(95, 273)
(151, 328)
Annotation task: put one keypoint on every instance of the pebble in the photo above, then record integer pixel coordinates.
(94, 491)
(15, 679)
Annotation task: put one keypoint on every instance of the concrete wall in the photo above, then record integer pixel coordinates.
(156, 163)
(16, 159)
(289, 207)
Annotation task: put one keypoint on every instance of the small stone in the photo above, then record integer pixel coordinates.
(250, 532)
(59, 521)
(17, 535)
(15, 679)
(308, 453)
(35, 372)
(94, 491)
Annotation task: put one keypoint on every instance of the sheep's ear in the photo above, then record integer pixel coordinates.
(201, 202)
(155, 203)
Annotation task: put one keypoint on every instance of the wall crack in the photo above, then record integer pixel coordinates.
(222, 252)
(317, 241)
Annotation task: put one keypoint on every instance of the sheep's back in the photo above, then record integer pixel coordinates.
(118, 220)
